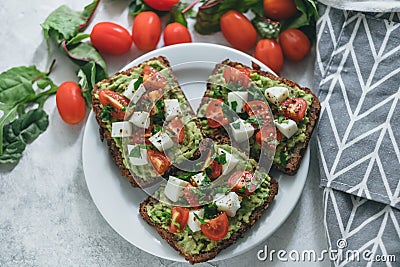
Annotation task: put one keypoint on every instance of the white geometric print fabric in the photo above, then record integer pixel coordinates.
(358, 76)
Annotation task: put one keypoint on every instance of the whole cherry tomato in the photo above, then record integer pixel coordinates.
(70, 103)
(295, 44)
(162, 5)
(176, 33)
(280, 9)
(110, 38)
(269, 52)
(146, 30)
(238, 30)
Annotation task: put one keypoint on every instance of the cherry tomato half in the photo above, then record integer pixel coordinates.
(269, 52)
(268, 135)
(294, 108)
(215, 170)
(70, 103)
(146, 30)
(217, 228)
(259, 109)
(180, 216)
(176, 33)
(152, 79)
(159, 161)
(214, 114)
(117, 101)
(237, 76)
(176, 127)
(242, 182)
(162, 5)
(111, 38)
(190, 196)
(295, 44)
(238, 30)
(280, 9)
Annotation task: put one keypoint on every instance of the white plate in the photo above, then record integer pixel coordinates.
(118, 202)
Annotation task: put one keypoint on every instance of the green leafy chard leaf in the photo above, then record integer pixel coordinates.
(89, 74)
(176, 15)
(20, 132)
(221, 159)
(64, 23)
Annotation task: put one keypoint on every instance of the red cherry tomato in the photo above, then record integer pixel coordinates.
(237, 76)
(215, 170)
(242, 182)
(280, 9)
(190, 196)
(146, 30)
(162, 5)
(238, 30)
(269, 52)
(180, 216)
(217, 228)
(176, 33)
(70, 103)
(268, 135)
(259, 109)
(177, 128)
(294, 108)
(152, 79)
(111, 38)
(214, 114)
(295, 44)
(117, 101)
(159, 161)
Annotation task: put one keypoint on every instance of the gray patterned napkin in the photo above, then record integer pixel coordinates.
(358, 76)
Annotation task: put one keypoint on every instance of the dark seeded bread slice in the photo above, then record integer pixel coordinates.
(202, 257)
(105, 134)
(293, 164)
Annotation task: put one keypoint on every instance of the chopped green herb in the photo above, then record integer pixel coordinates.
(254, 120)
(234, 105)
(210, 211)
(105, 114)
(236, 125)
(281, 118)
(135, 152)
(202, 221)
(221, 158)
(282, 157)
(138, 82)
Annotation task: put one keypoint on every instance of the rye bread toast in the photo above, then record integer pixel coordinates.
(105, 134)
(296, 153)
(173, 240)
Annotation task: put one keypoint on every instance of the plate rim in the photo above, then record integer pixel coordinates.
(304, 168)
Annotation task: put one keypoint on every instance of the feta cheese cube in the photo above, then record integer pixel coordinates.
(172, 109)
(139, 156)
(229, 203)
(193, 223)
(198, 178)
(121, 129)
(174, 189)
(140, 119)
(288, 127)
(231, 161)
(240, 98)
(241, 130)
(277, 94)
(161, 141)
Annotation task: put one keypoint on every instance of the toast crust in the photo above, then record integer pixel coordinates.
(293, 164)
(202, 257)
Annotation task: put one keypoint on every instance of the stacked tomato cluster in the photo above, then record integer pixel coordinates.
(292, 43)
(146, 31)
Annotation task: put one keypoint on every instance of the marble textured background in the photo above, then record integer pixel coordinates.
(47, 217)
